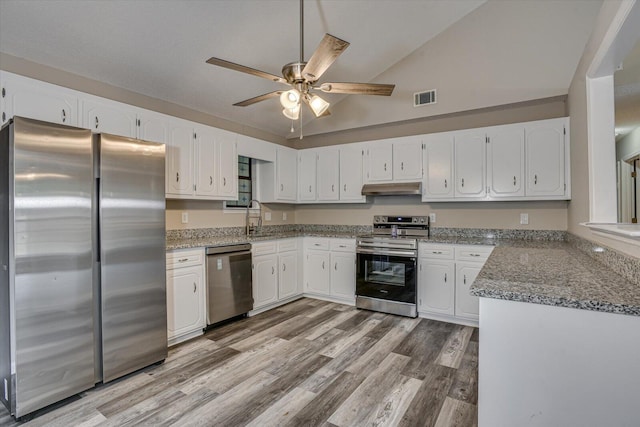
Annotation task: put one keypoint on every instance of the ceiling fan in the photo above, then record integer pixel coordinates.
(303, 78)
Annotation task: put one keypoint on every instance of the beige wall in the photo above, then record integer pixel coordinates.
(550, 215)
(207, 214)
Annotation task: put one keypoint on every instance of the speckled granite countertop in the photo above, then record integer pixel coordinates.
(556, 274)
(186, 243)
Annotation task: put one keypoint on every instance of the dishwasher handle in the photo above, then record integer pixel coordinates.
(229, 249)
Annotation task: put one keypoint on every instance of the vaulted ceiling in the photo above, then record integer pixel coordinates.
(476, 53)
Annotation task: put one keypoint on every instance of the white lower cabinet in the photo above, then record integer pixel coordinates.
(185, 294)
(445, 275)
(275, 272)
(330, 268)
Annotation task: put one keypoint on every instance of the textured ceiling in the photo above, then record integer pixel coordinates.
(481, 52)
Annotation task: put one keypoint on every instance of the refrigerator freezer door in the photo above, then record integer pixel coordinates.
(51, 283)
(132, 250)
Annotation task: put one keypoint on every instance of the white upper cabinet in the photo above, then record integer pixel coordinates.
(206, 184)
(227, 165)
(328, 174)
(545, 158)
(34, 99)
(286, 175)
(179, 159)
(470, 166)
(380, 161)
(351, 168)
(153, 127)
(307, 160)
(407, 159)
(109, 117)
(438, 169)
(505, 161)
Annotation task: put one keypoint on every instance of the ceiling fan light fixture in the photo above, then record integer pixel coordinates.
(318, 105)
(292, 113)
(290, 99)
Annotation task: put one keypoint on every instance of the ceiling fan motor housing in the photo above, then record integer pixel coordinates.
(293, 72)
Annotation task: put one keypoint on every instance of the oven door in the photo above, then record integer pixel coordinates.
(389, 277)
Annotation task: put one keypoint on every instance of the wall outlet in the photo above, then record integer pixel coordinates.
(267, 216)
(524, 218)
(432, 217)
(185, 217)
(284, 216)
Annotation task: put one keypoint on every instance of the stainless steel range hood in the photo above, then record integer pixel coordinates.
(392, 189)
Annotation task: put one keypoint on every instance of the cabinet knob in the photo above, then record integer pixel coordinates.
(464, 279)
(535, 179)
(385, 167)
(402, 166)
(514, 180)
(64, 116)
(210, 180)
(345, 187)
(177, 176)
(97, 122)
(284, 267)
(445, 183)
(323, 265)
(335, 267)
(183, 260)
(333, 188)
(309, 189)
(195, 287)
(224, 182)
(463, 182)
(281, 187)
(445, 277)
(273, 270)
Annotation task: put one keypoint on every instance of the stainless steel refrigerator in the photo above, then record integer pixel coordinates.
(82, 257)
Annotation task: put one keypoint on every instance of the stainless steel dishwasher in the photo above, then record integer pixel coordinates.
(229, 292)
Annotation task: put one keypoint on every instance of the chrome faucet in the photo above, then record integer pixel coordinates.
(253, 228)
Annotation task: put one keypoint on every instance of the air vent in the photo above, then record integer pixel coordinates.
(424, 98)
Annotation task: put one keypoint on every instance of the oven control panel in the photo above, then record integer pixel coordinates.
(401, 220)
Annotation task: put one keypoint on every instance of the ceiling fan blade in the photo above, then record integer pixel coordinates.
(258, 99)
(328, 50)
(237, 67)
(358, 88)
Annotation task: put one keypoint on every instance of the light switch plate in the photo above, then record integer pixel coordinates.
(524, 218)
(432, 217)
(267, 216)
(284, 216)
(185, 217)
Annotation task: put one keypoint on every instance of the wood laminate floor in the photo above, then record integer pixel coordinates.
(308, 363)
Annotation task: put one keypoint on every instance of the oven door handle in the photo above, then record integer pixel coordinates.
(404, 254)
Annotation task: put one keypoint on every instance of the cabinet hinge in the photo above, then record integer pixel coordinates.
(633, 174)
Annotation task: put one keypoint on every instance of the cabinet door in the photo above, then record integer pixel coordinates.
(227, 163)
(407, 159)
(379, 161)
(286, 174)
(545, 158)
(505, 161)
(206, 160)
(265, 280)
(114, 118)
(185, 301)
(328, 174)
(351, 163)
(438, 161)
(153, 127)
(343, 275)
(307, 175)
(288, 280)
(470, 164)
(436, 286)
(467, 305)
(179, 160)
(316, 271)
(34, 99)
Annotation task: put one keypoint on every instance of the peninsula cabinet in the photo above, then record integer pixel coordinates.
(185, 294)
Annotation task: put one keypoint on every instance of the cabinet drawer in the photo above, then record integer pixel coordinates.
(343, 245)
(285, 245)
(473, 253)
(264, 248)
(316, 243)
(186, 258)
(435, 251)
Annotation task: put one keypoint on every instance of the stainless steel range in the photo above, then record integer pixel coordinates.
(386, 277)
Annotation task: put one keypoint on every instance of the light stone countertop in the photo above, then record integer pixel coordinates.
(556, 274)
